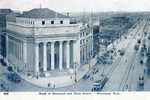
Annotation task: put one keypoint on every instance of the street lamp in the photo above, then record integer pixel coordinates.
(75, 72)
(89, 60)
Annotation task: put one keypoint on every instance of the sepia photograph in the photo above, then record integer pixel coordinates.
(64, 46)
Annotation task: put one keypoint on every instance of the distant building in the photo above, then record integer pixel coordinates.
(41, 40)
(3, 18)
(86, 43)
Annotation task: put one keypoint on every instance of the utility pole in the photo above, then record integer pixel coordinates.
(75, 72)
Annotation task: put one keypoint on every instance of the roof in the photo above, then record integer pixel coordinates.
(42, 13)
(5, 11)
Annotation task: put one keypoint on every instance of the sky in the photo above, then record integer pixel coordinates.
(78, 5)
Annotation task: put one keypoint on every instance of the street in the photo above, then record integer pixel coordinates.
(122, 74)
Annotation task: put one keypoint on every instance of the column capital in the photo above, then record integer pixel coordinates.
(52, 42)
(68, 41)
(24, 41)
(61, 41)
(36, 44)
(44, 43)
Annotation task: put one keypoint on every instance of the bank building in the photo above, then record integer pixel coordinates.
(42, 40)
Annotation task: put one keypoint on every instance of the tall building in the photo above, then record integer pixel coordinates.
(42, 40)
(86, 43)
(3, 18)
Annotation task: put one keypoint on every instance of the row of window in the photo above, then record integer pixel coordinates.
(52, 22)
(82, 34)
(26, 21)
(83, 41)
(43, 22)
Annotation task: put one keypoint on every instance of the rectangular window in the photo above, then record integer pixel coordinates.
(52, 22)
(80, 34)
(83, 33)
(61, 22)
(43, 22)
(81, 42)
(86, 33)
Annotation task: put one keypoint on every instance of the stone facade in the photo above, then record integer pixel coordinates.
(39, 45)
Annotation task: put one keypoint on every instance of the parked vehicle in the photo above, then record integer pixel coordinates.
(122, 52)
(136, 47)
(141, 62)
(139, 41)
(3, 85)
(141, 80)
(95, 70)
(86, 76)
(3, 62)
(149, 37)
(14, 77)
(142, 51)
(98, 85)
(10, 69)
(148, 52)
(145, 33)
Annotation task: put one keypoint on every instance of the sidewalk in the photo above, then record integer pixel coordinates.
(59, 78)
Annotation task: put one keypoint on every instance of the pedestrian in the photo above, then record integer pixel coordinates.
(92, 78)
(127, 86)
(48, 84)
(37, 77)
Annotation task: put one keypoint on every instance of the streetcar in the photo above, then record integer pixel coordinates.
(99, 84)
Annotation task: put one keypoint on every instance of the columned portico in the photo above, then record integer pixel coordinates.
(56, 52)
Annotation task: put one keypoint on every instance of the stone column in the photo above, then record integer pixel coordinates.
(52, 56)
(37, 58)
(6, 48)
(16, 51)
(45, 56)
(68, 54)
(60, 54)
(17, 47)
(25, 51)
(21, 51)
(14, 48)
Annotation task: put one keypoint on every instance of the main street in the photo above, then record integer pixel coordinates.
(119, 72)
(122, 72)
(118, 79)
